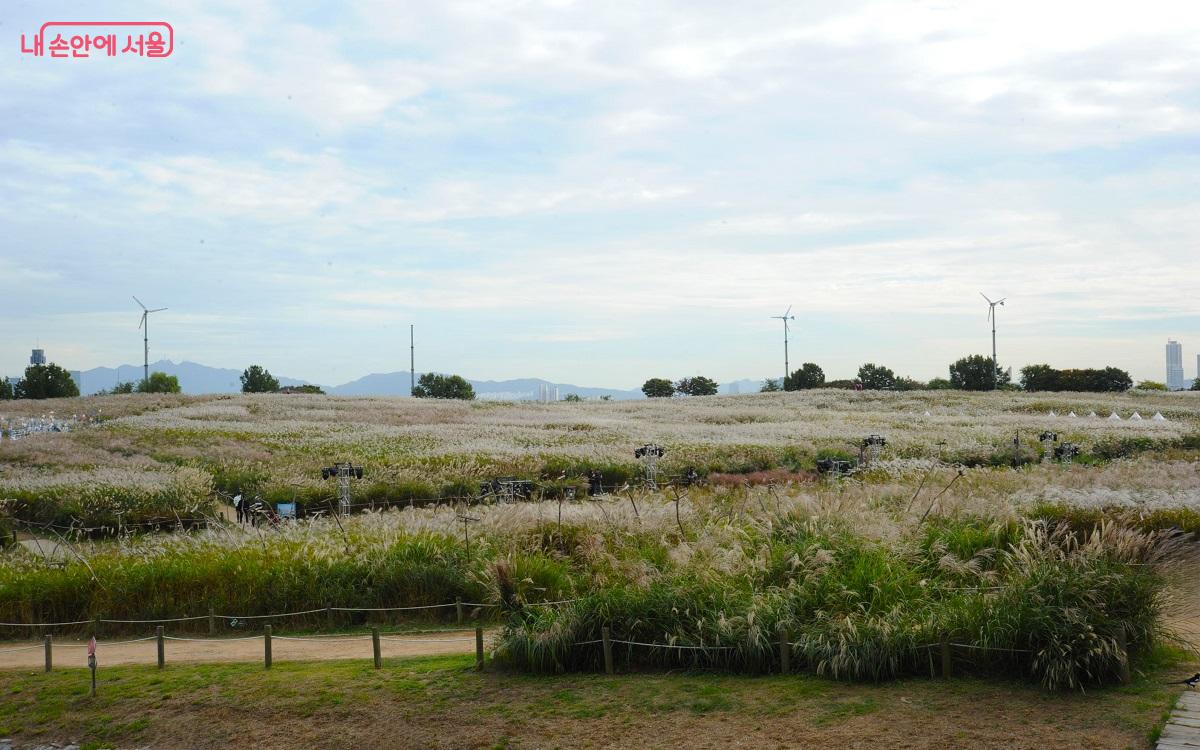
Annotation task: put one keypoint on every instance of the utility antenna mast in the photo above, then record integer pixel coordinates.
(992, 318)
(412, 361)
(145, 326)
(786, 368)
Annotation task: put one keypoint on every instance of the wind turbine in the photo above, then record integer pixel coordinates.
(786, 370)
(145, 326)
(992, 318)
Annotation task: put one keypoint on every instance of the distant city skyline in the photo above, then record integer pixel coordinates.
(602, 193)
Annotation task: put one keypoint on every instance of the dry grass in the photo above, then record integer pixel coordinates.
(281, 441)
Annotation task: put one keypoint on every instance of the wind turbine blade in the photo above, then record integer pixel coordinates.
(981, 294)
(142, 321)
(1001, 300)
(135, 299)
(789, 310)
(157, 309)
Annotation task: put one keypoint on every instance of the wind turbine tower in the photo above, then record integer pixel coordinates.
(786, 369)
(145, 326)
(992, 318)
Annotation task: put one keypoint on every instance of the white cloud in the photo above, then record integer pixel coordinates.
(524, 158)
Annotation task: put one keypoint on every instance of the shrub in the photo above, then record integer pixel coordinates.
(159, 382)
(255, 379)
(433, 385)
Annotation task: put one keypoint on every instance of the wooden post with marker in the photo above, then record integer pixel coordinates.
(162, 650)
(375, 648)
(785, 651)
(1122, 655)
(478, 649)
(606, 643)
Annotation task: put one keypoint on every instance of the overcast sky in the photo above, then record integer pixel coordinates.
(602, 192)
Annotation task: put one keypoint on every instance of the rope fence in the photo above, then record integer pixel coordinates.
(785, 651)
(267, 639)
(457, 604)
(782, 661)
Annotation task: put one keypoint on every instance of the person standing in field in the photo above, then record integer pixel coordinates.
(239, 506)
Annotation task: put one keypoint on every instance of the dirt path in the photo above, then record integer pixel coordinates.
(73, 653)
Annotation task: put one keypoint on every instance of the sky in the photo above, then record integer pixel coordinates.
(599, 193)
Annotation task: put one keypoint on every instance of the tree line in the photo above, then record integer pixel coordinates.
(693, 386)
(52, 381)
(972, 373)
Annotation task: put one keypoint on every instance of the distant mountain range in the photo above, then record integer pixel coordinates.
(193, 377)
(521, 389)
(198, 378)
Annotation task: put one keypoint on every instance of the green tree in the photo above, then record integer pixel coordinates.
(159, 382)
(909, 384)
(1112, 380)
(1046, 378)
(1196, 384)
(1040, 378)
(118, 389)
(658, 388)
(306, 388)
(6, 389)
(809, 375)
(939, 384)
(257, 380)
(770, 386)
(1151, 385)
(433, 385)
(46, 381)
(697, 386)
(974, 373)
(573, 397)
(844, 384)
(876, 377)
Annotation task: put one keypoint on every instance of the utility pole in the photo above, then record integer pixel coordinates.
(412, 361)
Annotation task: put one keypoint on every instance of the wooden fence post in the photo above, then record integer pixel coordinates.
(375, 647)
(947, 668)
(478, 649)
(96, 626)
(458, 610)
(329, 617)
(267, 646)
(785, 651)
(606, 642)
(1123, 661)
(212, 621)
(162, 651)
(49, 654)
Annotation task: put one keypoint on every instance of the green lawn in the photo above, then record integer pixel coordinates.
(442, 702)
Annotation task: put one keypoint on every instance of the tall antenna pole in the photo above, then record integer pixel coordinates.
(786, 367)
(992, 318)
(412, 361)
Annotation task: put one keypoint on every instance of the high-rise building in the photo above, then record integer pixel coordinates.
(1174, 366)
(38, 357)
